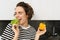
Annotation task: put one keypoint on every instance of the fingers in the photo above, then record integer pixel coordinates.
(15, 28)
(41, 32)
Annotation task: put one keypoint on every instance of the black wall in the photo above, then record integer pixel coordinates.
(53, 27)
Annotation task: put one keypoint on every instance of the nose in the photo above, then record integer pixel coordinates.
(18, 16)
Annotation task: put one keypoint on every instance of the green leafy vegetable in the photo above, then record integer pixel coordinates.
(15, 21)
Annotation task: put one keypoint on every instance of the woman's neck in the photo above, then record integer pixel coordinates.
(25, 24)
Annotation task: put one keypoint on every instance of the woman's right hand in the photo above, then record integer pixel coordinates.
(15, 28)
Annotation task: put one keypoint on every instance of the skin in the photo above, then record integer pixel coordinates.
(23, 20)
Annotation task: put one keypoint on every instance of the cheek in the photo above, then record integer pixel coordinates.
(24, 18)
(18, 17)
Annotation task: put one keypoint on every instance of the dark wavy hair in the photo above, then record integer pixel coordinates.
(28, 9)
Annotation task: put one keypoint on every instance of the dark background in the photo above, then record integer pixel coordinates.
(53, 28)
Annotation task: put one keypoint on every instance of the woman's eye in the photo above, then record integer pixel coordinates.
(20, 12)
(17, 13)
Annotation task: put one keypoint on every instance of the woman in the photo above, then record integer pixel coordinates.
(22, 30)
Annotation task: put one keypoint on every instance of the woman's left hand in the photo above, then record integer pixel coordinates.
(39, 33)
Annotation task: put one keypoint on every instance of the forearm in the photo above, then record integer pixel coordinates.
(37, 37)
(15, 37)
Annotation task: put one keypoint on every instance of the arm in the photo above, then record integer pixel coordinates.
(8, 33)
(15, 37)
(15, 28)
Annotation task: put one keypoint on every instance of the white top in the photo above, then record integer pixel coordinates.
(25, 27)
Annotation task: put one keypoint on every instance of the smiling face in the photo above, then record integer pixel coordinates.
(21, 15)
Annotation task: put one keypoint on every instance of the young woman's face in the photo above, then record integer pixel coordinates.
(21, 14)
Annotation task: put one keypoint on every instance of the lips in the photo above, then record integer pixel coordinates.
(18, 18)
